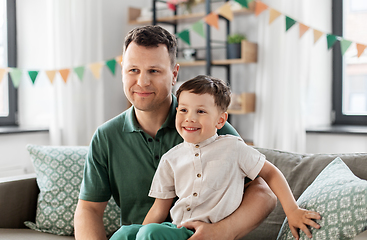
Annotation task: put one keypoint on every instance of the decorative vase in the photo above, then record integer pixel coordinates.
(233, 50)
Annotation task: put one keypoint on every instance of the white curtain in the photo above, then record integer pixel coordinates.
(77, 106)
(286, 72)
(58, 34)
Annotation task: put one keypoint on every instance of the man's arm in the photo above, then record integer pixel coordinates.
(88, 220)
(257, 203)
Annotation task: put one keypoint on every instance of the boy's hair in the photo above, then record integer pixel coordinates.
(202, 84)
(152, 36)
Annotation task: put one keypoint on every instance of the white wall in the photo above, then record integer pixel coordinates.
(14, 156)
(335, 143)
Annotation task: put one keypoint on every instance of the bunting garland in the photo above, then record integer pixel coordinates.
(198, 27)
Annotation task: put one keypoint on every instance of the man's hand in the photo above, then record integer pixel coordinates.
(207, 231)
(300, 219)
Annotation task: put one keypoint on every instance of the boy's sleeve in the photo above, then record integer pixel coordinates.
(163, 184)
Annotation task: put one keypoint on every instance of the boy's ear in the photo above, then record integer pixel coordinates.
(222, 120)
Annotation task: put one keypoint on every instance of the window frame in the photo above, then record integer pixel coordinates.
(11, 119)
(338, 117)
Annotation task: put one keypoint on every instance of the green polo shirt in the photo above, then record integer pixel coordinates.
(122, 160)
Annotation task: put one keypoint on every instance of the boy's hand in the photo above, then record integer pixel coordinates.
(299, 219)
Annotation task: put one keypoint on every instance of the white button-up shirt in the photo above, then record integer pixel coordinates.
(208, 177)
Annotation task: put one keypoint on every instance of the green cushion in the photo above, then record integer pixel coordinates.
(341, 199)
(59, 173)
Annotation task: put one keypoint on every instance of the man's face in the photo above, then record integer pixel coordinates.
(147, 76)
(198, 118)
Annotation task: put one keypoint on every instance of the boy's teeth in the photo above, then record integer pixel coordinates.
(191, 129)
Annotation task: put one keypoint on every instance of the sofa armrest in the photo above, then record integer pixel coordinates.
(18, 200)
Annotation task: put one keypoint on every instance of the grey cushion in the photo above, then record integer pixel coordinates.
(300, 170)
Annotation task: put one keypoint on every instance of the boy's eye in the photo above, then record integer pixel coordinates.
(183, 110)
(201, 111)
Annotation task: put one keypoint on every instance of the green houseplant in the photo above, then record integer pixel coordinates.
(234, 45)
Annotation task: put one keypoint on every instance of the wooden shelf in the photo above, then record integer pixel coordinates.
(242, 104)
(134, 14)
(248, 55)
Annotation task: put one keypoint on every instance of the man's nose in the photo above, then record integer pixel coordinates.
(143, 80)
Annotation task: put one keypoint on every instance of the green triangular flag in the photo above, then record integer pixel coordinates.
(185, 36)
(33, 75)
(289, 22)
(243, 3)
(111, 64)
(344, 45)
(80, 72)
(16, 75)
(331, 40)
(198, 27)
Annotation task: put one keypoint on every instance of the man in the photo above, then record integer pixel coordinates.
(124, 152)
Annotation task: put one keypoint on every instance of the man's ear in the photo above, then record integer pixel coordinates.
(222, 120)
(175, 74)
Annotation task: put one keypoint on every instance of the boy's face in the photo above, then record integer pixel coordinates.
(198, 118)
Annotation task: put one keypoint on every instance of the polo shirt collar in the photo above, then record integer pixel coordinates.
(201, 144)
(131, 123)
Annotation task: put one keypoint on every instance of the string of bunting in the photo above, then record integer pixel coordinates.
(17, 73)
(211, 19)
(226, 12)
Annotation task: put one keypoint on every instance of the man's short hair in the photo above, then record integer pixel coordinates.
(202, 84)
(152, 36)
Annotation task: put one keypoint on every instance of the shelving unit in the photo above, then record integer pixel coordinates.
(248, 49)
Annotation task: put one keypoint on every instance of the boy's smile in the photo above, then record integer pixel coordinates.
(198, 118)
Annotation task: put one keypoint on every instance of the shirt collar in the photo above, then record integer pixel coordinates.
(131, 123)
(201, 144)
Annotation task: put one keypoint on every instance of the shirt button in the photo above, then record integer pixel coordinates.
(197, 146)
(188, 209)
(198, 175)
(195, 194)
(150, 140)
(196, 154)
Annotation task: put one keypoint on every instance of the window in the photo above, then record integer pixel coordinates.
(350, 71)
(8, 94)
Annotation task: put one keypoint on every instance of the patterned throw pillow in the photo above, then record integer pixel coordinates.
(59, 173)
(341, 199)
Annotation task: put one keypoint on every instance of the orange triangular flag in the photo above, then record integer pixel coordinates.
(2, 73)
(274, 14)
(212, 20)
(51, 75)
(119, 59)
(64, 74)
(96, 69)
(226, 11)
(316, 35)
(302, 29)
(360, 49)
(260, 7)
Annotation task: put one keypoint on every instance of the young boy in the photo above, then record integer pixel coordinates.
(206, 172)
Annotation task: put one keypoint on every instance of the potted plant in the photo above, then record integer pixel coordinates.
(234, 45)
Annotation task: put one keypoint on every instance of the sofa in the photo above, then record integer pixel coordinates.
(328, 183)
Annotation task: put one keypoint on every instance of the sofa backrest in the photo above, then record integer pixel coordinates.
(300, 170)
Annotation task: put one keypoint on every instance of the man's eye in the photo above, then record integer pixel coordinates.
(153, 71)
(134, 70)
